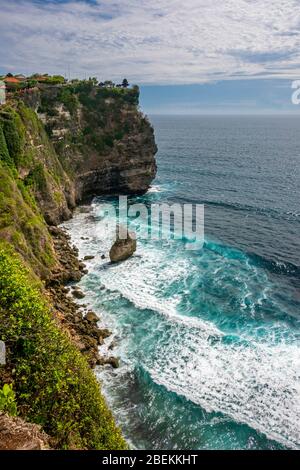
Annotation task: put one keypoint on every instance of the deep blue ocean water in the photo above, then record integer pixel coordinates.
(208, 339)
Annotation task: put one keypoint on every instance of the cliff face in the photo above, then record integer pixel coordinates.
(58, 147)
(101, 138)
(129, 168)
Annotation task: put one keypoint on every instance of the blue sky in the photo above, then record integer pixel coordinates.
(266, 96)
(197, 56)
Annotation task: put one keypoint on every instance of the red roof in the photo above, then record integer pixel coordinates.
(11, 80)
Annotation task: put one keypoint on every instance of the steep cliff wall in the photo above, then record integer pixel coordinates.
(58, 147)
(103, 141)
(64, 145)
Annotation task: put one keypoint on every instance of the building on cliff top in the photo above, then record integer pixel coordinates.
(21, 77)
(12, 80)
(12, 83)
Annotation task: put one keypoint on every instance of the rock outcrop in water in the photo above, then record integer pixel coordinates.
(123, 249)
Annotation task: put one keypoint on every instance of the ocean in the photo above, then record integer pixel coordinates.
(209, 338)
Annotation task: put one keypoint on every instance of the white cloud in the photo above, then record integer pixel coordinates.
(153, 41)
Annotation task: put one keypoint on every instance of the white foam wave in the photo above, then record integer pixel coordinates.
(252, 382)
(258, 386)
(155, 189)
(139, 281)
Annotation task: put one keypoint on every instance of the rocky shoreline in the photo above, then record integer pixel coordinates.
(79, 323)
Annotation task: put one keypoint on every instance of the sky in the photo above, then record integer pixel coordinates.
(189, 57)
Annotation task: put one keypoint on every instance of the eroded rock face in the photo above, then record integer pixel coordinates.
(113, 147)
(122, 249)
(129, 168)
(97, 142)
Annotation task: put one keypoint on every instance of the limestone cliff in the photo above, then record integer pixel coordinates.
(61, 145)
(103, 141)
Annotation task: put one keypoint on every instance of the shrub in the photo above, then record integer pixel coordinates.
(14, 133)
(109, 140)
(8, 400)
(4, 153)
(84, 86)
(69, 100)
(37, 178)
(55, 80)
(54, 384)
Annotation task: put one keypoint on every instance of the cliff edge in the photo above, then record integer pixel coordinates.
(104, 143)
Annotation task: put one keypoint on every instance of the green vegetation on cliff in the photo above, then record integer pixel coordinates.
(26, 149)
(14, 133)
(101, 121)
(21, 222)
(22, 225)
(4, 153)
(53, 383)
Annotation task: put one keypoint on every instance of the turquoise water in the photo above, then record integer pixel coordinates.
(208, 339)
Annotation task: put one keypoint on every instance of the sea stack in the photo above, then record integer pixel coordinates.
(123, 248)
